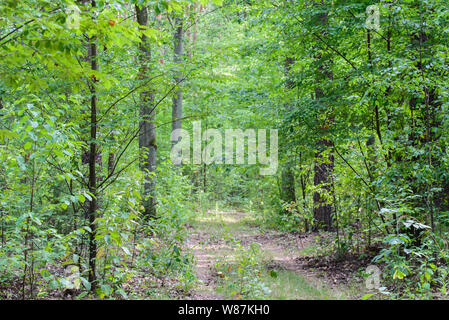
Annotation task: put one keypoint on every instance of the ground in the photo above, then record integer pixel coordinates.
(236, 257)
(289, 270)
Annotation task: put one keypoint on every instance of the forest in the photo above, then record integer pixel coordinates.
(224, 149)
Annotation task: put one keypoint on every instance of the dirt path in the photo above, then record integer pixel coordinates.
(205, 256)
(208, 242)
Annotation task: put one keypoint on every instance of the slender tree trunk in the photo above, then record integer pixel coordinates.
(303, 183)
(204, 164)
(287, 188)
(2, 210)
(324, 159)
(323, 169)
(111, 156)
(376, 107)
(178, 59)
(288, 183)
(93, 150)
(147, 136)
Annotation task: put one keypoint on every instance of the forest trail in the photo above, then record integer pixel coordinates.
(219, 235)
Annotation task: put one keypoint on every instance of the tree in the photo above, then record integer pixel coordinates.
(178, 50)
(288, 194)
(147, 135)
(324, 159)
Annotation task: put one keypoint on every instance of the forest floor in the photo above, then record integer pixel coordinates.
(291, 267)
(236, 257)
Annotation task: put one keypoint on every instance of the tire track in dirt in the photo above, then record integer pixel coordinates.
(205, 256)
(283, 248)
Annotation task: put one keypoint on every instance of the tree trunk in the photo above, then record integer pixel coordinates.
(288, 183)
(147, 134)
(111, 158)
(323, 169)
(178, 59)
(324, 159)
(93, 204)
(287, 189)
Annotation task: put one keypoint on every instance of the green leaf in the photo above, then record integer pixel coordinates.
(28, 145)
(6, 134)
(367, 296)
(398, 274)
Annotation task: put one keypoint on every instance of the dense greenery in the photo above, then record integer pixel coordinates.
(90, 92)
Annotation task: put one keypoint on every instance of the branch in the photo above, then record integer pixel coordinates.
(137, 133)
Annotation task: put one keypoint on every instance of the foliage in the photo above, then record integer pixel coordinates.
(243, 278)
(362, 115)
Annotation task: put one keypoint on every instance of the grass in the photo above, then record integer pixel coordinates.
(289, 285)
(283, 284)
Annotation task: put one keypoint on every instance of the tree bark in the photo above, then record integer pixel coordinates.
(324, 159)
(287, 189)
(178, 59)
(323, 169)
(93, 205)
(147, 134)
